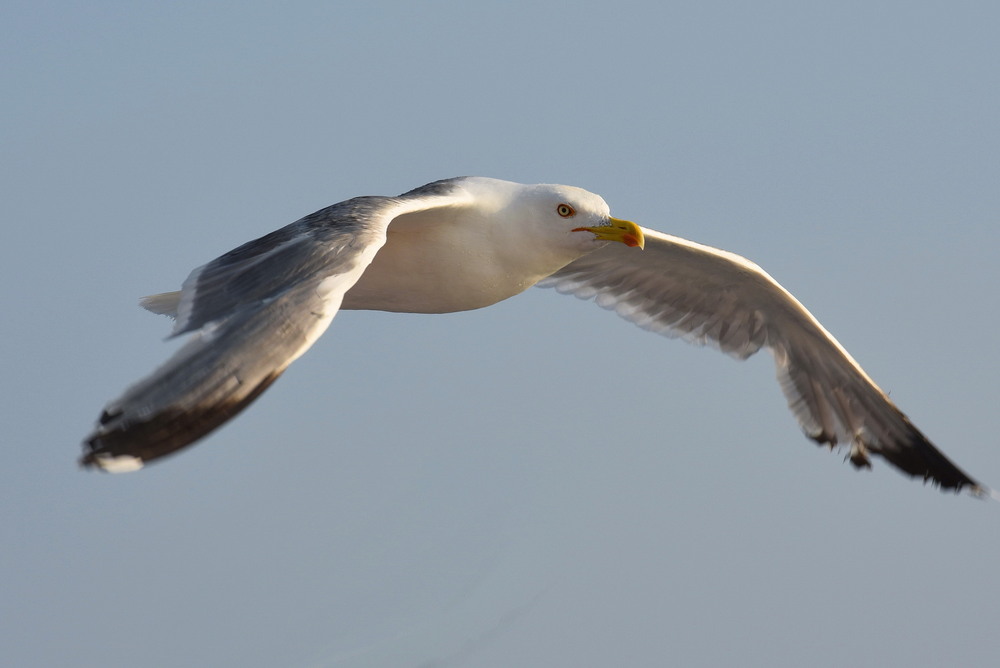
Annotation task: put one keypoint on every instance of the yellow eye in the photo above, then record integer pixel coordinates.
(565, 210)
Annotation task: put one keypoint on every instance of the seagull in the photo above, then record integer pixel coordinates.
(469, 242)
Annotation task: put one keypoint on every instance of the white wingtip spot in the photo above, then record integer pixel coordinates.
(119, 464)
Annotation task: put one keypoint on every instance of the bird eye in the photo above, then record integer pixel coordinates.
(565, 210)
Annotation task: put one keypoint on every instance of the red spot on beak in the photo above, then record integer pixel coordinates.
(630, 241)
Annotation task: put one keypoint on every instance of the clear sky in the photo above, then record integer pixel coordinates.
(442, 491)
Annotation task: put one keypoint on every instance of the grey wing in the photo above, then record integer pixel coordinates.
(327, 241)
(704, 295)
(251, 271)
(253, 311)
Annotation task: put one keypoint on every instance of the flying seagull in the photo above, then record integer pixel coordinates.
(469, 242)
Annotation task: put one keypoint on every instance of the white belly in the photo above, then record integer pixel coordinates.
(433, 270)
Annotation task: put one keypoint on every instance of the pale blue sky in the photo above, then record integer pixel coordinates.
(446, 490)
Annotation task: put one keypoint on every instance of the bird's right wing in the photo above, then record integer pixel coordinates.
(251, 313)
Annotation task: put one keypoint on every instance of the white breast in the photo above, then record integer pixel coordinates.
(443, 261)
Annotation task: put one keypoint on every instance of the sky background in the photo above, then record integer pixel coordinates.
(445, 491)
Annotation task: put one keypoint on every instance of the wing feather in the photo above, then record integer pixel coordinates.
(251, 313)
(319, 244)
(213, 377)
(704, 295)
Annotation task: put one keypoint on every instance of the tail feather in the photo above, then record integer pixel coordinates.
(164, 303)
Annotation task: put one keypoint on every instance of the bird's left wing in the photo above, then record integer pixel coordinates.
(704, 295)
(251, 313)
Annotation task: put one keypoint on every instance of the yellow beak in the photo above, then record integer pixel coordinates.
(624, 231)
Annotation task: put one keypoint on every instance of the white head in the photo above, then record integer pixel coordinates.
(557, 216)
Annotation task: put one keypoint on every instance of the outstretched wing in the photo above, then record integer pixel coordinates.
(251, 313)
(704, 295)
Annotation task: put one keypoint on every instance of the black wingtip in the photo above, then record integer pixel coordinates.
(915, 456)
(918, 457)
(120, 444)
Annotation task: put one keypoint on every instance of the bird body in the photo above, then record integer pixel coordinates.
(470, 254)
(466, 243)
